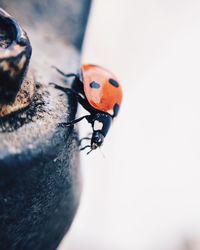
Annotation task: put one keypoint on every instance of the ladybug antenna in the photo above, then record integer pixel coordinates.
(89, 151)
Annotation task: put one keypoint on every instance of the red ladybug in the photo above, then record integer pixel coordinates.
(100, 93)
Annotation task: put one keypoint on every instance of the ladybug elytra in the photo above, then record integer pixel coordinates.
(100, 93)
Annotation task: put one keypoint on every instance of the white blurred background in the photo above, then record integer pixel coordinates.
(145, 193)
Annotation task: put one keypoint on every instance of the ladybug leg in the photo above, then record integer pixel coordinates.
(64, 89)
(87, 146)
(63, 74)
(83, 139)
(88, 137)
(68, 124)
(77, 83)
(79, 98)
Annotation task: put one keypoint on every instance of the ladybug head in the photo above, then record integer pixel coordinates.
(97, 140)
(101, 124)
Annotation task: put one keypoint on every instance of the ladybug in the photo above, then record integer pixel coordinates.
(100, 93)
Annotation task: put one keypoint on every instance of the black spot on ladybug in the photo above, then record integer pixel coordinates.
(94, 85)
(116, 109)
(113, 82)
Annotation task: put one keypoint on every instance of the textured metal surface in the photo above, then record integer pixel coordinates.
(22, 99)
(39, 161)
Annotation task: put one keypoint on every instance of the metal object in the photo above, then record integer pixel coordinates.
(15, 53)
(40, 182)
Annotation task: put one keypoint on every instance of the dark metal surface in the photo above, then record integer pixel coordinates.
(39, 161)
